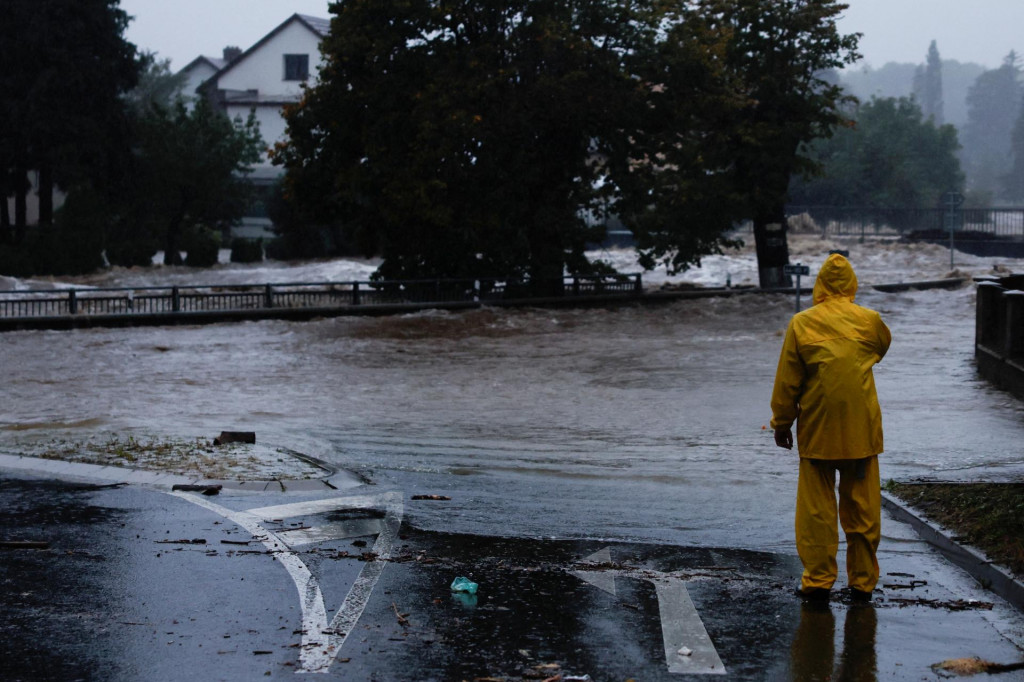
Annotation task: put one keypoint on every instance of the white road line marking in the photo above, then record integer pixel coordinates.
(310, 507)
(321, 641)
(681, 625)
(604, 579)
(338, 530)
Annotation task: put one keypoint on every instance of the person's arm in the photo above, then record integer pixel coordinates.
(789, 381)
(884, 338)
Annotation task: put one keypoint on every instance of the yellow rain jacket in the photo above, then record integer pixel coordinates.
(824, 380)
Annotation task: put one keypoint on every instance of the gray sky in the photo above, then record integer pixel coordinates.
(981, 31)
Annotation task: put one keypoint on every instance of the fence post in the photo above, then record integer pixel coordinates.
(987, 317)
(639, 286)
(355, 293)
(175, 300)
(268, 297)
(575, 286)
(72, 302)
(1013, 341)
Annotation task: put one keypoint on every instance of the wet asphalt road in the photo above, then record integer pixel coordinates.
(118, 596)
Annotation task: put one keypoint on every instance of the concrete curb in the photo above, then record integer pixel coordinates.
(948, 283)
(989, 575)
(61, 469)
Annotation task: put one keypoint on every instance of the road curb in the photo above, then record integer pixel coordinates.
(61, 469)
(980, 567)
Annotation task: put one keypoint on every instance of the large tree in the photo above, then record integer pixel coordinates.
(994, 105)
(462, 138)
(188, 173)
(781, 51)
(64, 67)
(892, 158)
(928, 86)
(480, 138)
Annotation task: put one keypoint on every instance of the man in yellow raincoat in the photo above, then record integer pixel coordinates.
(825, 384)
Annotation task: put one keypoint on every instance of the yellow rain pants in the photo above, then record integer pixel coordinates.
(859, 510)
(824, 383)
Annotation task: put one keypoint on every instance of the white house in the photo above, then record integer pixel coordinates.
(270, 74)
(262, 79)
(200, 70)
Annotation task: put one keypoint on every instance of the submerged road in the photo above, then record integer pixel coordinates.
(141, 583)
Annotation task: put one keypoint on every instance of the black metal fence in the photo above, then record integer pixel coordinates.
(863, 220)
(170, 300)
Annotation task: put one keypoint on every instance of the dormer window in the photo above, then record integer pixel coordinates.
(296, 67)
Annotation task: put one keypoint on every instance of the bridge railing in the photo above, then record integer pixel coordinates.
(169, 300)
(868, 220)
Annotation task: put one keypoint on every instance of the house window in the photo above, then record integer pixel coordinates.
(296, 67)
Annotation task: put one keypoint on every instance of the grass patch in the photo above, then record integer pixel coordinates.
(989, 516)
(193, 457)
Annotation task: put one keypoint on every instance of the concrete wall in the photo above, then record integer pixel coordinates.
(999, 333)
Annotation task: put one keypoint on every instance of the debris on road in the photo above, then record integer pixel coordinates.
(183, 541)
(24, 544)
(904, 586)
(462, 584)
(431, 497)
(226, 437)
(955, 605)
(402, 620)
(974, 666)
(198, 488)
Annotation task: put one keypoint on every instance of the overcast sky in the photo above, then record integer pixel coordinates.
(981, 31)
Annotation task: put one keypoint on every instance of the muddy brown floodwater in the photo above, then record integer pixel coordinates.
(634, 423)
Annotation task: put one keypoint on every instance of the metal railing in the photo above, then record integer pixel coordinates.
(866, 220)
(170, 300)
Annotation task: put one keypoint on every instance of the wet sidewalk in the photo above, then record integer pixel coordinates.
(138, 582)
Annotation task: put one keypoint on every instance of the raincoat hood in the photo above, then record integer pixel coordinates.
(835, 279)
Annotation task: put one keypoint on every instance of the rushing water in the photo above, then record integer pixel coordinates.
(641, 422)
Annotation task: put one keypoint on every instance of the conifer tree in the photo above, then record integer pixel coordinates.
(928, 86)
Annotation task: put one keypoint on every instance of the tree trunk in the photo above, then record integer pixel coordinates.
(772, 248)
(6, 233)
(21, 188)
(547, 263)
(45, 194)
(172, 252)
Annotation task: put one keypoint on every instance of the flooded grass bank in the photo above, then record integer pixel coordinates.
(989, 516)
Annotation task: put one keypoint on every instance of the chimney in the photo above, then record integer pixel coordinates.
(231, 53)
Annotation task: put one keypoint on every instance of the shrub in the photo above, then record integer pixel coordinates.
(246, 250)
(201, 244)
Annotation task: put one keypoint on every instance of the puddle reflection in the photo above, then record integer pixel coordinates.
(813, 652)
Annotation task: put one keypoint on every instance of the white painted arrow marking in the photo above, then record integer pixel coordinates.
(321, 641)
(681, 626)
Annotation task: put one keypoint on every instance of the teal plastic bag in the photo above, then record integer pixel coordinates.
(466, 585)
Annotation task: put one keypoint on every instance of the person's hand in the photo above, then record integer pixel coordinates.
(784, 438)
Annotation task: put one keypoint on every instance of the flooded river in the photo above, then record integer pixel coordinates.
(638, 423)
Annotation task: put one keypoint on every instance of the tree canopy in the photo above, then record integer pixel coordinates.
(891, 158)
(64, 67)
(928, 86)
(190, 166)
(481, 138)
(994, 104)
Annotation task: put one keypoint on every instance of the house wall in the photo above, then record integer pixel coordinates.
(194, 77)
(263, 68)
(272, 124)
